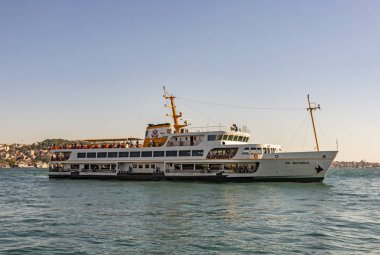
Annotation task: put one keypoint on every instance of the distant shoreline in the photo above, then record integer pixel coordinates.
(37, 155)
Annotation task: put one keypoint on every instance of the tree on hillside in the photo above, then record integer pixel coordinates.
(49, 142)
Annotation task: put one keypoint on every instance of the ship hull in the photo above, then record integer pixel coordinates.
(217, 179)
(285, 167)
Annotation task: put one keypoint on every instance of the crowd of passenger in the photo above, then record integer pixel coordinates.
(56, 168)
(96, 146)
(221, 155)
(58, 158)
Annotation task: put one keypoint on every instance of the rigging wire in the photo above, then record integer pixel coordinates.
(297, 131)
(183, 100)
(306, 135)
(197, 111)
(324, 134)
(242, 107)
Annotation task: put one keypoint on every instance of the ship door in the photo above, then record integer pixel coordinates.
(121, 166)
(191, 140)
(169, 167)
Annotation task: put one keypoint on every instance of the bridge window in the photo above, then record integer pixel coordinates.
(91, 154)
(135, 154)
(184, 153)
(123, 154)
(146, 154)
(171, 153)
(197, 153)
(81, 155)
(102, 154)
(112, 154)
(158, 154)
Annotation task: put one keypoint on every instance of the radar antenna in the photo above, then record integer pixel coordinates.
(174, 115)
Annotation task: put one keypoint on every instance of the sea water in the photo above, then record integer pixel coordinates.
(39, 215)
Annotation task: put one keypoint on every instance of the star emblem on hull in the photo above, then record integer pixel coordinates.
(319, 169)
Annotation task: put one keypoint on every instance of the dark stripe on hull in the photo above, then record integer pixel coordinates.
(162, 177)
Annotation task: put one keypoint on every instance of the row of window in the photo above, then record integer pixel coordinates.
(222, 153)
(258, 150)
(138, 154)
(242, 167)
(98, 167)
(219, 137)
(109, 166)
(230, 138)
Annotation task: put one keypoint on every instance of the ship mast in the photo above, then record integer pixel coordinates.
(174, 115)
(312, 108)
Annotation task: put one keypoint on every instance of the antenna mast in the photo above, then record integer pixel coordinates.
(311, 108)
(174, 115)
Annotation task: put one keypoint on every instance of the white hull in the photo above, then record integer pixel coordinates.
(175, 153)
(293, 166)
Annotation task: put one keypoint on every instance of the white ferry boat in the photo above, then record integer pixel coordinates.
(176, 152)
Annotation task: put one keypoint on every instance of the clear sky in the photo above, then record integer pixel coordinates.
(85, 69)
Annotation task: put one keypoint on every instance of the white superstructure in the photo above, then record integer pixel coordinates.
(174, 152)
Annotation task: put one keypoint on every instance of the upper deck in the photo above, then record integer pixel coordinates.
(167, 140)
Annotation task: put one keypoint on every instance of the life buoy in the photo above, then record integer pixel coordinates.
(255, 156)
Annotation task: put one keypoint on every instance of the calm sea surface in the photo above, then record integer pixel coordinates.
(42, 216)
